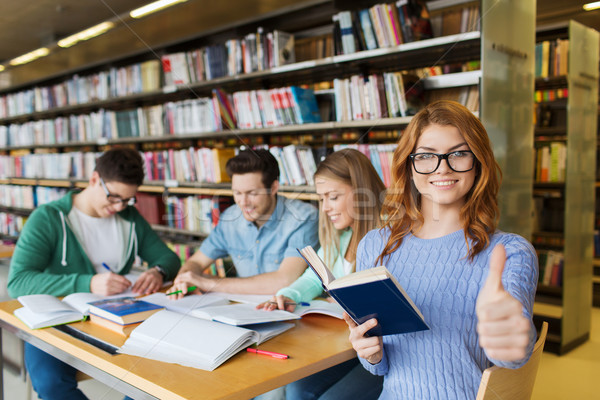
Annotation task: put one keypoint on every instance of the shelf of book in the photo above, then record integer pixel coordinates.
(463, 46)
(566, 147)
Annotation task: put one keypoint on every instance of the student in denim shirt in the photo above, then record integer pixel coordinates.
(261, 233)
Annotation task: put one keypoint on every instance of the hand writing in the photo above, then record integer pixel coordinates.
(109, 283)
(503, 330)
(368, 347)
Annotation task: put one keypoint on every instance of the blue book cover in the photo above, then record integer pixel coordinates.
(123, 310)
(371, 293)
(305, 105)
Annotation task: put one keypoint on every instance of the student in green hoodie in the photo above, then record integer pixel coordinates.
(86, 242)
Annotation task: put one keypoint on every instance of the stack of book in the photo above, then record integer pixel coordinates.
(122, 314)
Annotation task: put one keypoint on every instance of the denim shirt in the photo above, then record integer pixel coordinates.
(253, 250)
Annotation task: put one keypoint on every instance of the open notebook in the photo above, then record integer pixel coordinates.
(193, 342)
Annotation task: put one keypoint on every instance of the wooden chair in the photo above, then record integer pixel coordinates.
(515, 384)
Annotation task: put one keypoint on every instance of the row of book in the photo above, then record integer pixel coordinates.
(116, 82)
(551, 162)
(244, 110)
(372, 97)
(274, 107)
(11, 224)
(192, 213)
(188, 165)
(382, 25)
(187, 116)
(391, 24)
(78, 165)
(28, 197)
(257, 51)
(451, 68)
(551, 58)
(551, 94)
(551, 268)
(468, 96)
(296, 164)
(551, 241)
(380, 155)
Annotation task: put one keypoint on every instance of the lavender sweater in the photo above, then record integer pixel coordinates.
(445, 362)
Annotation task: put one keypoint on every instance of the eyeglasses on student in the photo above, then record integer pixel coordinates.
(116, 199)
(428, 163)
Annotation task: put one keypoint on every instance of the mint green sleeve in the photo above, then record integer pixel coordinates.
(305, 288)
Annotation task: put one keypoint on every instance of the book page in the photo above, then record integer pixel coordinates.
(242, 314)
(187, 303)
(79, 301)
(360, 277)
(244, 298)
(36, 320)
(321, 307)
(43, 303)
(270, 330)
(315, 262)
(177, 338)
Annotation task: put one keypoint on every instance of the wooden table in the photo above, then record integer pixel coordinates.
(315, 343)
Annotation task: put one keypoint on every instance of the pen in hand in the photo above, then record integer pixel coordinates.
(190, 289)
(107, 267)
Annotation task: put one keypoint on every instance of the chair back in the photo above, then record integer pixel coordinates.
(515, 384)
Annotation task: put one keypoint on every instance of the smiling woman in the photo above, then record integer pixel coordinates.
(474, 284)
(350, 198)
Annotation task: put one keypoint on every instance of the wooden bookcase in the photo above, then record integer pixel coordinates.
(505, 91)
(567, 307)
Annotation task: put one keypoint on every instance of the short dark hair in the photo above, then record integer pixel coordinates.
(260, 160)
(122, 165)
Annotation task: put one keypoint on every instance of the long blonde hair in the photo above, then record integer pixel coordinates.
(354, 169)
(479, 214)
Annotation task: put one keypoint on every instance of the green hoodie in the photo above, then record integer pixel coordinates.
(48, 258)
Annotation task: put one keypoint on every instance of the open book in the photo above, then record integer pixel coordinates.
(181, 339)
(372, 293)
(320, 307)
(242, 314)
(43, 310)
(186, 304)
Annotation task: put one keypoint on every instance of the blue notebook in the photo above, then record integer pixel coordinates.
(372, 293)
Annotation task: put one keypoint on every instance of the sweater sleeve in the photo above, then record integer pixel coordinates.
(305, 288)
(366, 254)
(520, 278)
(153, 250)
(381, 368)
(35, 265)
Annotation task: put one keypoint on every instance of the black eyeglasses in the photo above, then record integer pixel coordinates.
(428, 163)
(115, 199)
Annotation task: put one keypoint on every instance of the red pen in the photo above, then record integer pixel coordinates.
(268, 353)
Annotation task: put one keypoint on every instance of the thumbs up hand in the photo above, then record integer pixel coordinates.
(503, 330)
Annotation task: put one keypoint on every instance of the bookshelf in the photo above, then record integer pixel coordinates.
(505, 84)
(565, 194)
